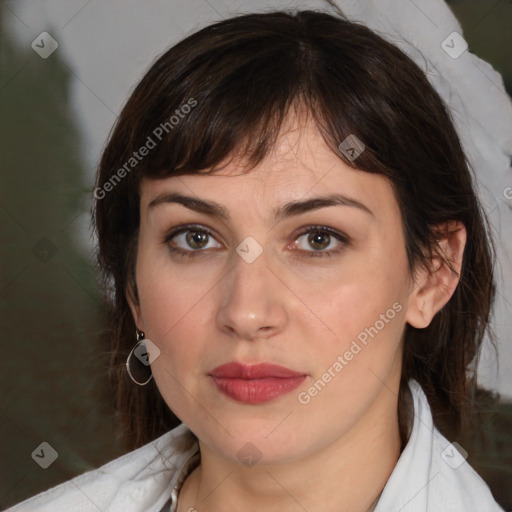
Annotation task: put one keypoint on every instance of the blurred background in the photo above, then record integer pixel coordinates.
(56, 111)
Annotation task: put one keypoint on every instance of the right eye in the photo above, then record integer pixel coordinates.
(189, 240)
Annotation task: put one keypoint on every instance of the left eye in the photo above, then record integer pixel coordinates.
(320, 239)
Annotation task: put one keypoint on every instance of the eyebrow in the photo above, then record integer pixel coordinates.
(290, 209)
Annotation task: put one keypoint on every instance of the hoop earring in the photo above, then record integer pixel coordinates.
(139, 335)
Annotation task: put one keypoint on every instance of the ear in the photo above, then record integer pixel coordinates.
(133, 301)
(434, 286)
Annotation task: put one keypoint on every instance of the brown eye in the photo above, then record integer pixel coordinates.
(320, 238)
(190, 240)
(196, 239)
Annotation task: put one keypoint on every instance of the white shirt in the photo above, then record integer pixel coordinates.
(430, 475)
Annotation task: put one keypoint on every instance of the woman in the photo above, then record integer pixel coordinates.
(299, 269)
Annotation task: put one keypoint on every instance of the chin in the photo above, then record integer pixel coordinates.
(257, 441)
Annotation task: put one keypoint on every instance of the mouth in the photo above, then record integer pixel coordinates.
(255, 384)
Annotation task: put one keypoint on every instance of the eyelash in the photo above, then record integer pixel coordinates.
(345, 240)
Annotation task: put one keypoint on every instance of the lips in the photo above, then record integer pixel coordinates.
(255, 384)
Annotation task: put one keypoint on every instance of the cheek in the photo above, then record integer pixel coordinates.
(362, 310)
(173, 306)
(353, 296)
(174, 311)
(168, 292)
(360, 350)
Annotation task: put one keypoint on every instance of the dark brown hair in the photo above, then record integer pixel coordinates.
(243, 76)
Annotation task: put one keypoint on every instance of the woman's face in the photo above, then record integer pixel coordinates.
(323, 291)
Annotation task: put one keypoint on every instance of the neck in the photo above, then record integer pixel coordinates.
(347, 476)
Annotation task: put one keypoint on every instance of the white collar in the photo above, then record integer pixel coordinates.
(431, 474)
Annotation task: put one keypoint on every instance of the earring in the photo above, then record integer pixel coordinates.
(141, 354)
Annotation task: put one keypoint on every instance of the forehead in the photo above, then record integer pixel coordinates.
(300, 165)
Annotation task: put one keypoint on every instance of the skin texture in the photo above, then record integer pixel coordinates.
(337, 451)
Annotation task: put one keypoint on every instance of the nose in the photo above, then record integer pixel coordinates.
(252, 304)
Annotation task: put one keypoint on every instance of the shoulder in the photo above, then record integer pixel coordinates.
(455, 484)
(139, 480)
(432, 474)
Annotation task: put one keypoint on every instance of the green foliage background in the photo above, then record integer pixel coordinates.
(52, 375)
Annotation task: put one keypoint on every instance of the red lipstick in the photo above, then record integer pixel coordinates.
(255, 384)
